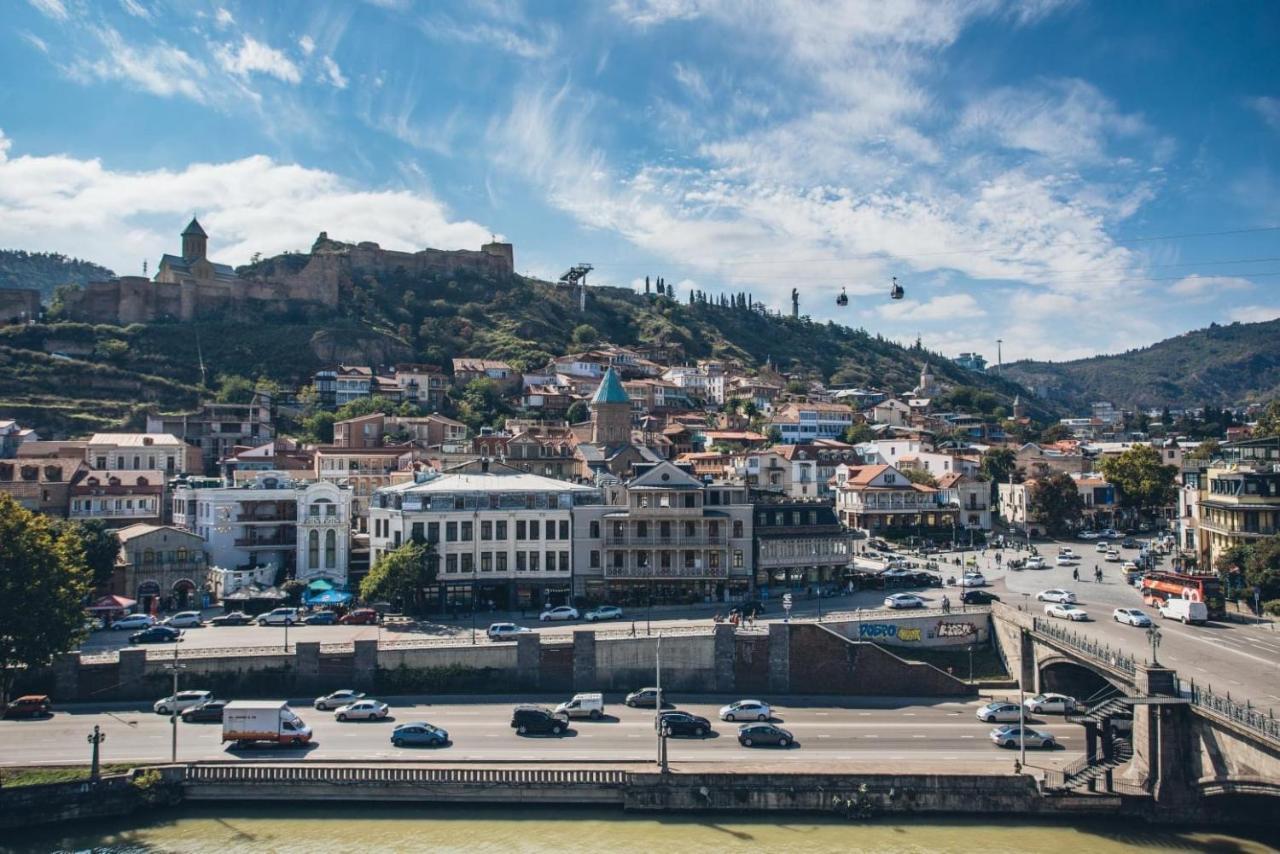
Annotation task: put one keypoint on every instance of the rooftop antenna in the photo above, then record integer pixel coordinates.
(144, 268)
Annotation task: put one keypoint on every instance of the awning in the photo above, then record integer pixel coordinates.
(328, 597)
(319, 586)
(112, 603)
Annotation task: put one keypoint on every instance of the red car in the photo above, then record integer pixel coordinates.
(29, 706)
(360, 617)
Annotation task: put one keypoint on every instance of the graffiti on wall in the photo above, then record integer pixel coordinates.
(956, 630)
(889, 630)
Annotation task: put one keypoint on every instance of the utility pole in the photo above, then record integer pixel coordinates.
(173, 718)
(999, 356)
(657, 707)
(96, 739)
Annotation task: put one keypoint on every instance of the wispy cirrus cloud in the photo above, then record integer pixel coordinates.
(1196, 285)
(251, 56)
(55, 9)
(158, 68)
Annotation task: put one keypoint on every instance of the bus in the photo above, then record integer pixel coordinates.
(1157, 587)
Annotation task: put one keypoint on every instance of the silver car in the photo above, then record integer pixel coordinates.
(338, 699)
(369, 710)
(1132, 617)
(1010, 736)
(746, 710)
(999, 712)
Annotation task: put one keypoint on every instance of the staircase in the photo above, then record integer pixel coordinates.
(1080, 773)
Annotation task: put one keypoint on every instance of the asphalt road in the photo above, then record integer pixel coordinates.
(908, 732)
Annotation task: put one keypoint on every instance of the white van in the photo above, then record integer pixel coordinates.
(1186, 610)
(583, 706)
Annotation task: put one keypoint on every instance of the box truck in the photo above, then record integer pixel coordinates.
(248, 721)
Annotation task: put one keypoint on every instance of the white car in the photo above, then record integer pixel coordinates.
(903, 600)
(337, 699)
(973, 579)
(1131, 616)
(998, 712)
(181, 701)
(1101, 546)
(1010, 736)
(604, 612)
(1088, 535)
(564, 612)
(280, 617)
(1055, 594)
(1067, 560)
(505, 631)
(184, 620)
(1035, 562)
(369, 710)
(133, 621)
(746, 710)
(1063, 611)
(1050, 704)
(897, 572)
(1112, 557)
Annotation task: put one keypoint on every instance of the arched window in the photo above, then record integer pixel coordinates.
(313, 549)
(330, 549)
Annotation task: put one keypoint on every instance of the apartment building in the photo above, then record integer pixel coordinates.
(217, 429)
(799, 544)
(880, 499)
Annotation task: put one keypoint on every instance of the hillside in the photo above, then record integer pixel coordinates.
(50, 372)
(1220, 365)
(44, 271)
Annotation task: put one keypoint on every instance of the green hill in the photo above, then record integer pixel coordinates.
(44, 271)
(1220, 365)
(56, 375)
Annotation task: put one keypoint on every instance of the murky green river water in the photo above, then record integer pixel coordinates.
(317, 828)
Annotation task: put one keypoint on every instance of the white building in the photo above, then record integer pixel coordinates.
(302, 527)
(136, 452)
(807, 422)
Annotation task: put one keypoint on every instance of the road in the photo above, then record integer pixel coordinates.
(906, 732)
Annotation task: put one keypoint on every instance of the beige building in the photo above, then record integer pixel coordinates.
(161, 566)
(162, 452)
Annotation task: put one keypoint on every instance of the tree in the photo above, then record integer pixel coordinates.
(1054, 433)
(1253, 567)
(578, 412)
(920, 476)
(855, 434)
(234, 389)
(320, 426)
(101, 548)
(44, 580)
(293, 590)
(774, 435)
(584, 335)
(1141, 477)
(1057, 503)
(1268, 421)
(400, 575)
(1206, 450)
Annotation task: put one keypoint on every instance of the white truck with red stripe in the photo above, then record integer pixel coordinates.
(249, 721)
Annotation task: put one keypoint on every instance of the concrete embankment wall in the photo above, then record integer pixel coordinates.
(624, 664)
(924, 630)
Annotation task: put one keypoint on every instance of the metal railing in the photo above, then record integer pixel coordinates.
(1100, 652)
(1221, 705)
(303, 775)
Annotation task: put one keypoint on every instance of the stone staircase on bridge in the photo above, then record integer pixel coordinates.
(1084, 772)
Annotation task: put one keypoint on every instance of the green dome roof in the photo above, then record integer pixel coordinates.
(611, 390)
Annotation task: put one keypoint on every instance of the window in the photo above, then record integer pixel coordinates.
(486, 530)
(500, 530)
(534, 560)
(451, 563)
(417, 536)
(737, 527)
(689, 529)
(467, 563)
(313, 549)
(737, 558)
(564, 561)
(551, 529)
(395, 542)
(618, 559)
(551, 561)
(330, 548)
(467, 531)
(534, 528)
(595, 529)
(137, 463)
(664, 530)
(520, 529)
(564, 529)
(688, 560)
(521, 566)
(451, 532)
(664, 560)
(595, 560)
(486, 561)
(714, 560)
(433, 532)
(642, 529)
(690, 501)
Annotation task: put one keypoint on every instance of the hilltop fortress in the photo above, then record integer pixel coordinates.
(189, 285)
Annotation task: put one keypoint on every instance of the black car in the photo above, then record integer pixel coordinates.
(754, 735)
(926, 579)
(209, 710)
(683, 723)
(531, 719)
(156, 634)
(235, 618)
(979, 597)
(321, 618)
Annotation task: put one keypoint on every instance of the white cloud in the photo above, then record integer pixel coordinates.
(1196, 285)
(307, 44)
(953, 307)
(55, 9)
(1254, 313)
(527, 42)
(691, 79)
(255, 204)
(1269, 109)
(160, 68)
(35, 41)
(333, 74)
(223, 18)
(255, 57)
(136, 9)
(646, 13)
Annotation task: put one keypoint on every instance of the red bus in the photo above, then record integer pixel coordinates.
(1157, 587)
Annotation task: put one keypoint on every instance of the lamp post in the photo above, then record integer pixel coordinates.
(1153, 638)
(173, 718)
(970, 663)
(657, 706)
(95, 739)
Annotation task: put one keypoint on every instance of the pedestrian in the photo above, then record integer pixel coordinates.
(633, 628)
(946, 605)
(1075, 574)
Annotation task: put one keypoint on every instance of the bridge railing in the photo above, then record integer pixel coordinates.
(1090, 648)
(1221, 705)
(354, 774)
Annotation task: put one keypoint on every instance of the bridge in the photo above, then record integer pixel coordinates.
(1186, 742)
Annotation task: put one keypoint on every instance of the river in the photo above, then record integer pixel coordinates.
(313, 828)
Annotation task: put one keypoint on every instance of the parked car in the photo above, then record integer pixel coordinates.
(156, 634)
(181, 701)
(604, 612)
(537, 719)
(418, 733)
(1186, 610)
(746, 710)
(978, 597)
(235, 618)
(209, 710)
(1055, 594)
(1035, 562)
(760, 735)
(583, 706)
(1012, 736)
(926, 579)
(183, 620)
(903, 600)
(280, 617)
(563, 612)
(1112, 557)
(369, 710)
(505, 631)
(682, 723)
(321, 618)
(996, 712)
(1057, 704)
(133, 621)
(28, 706)
(1101, 546)
(897, 572)
(1064, 611)
(1088, 535)
(973, 579)
(360, 617)
(1109, 533)
(337, 699)
(645, 698)
(1129, 543)
(1131, 616)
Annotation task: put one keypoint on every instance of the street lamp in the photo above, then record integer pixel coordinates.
(1153, 638)
(970, 663)
(95, 739)
(657, 705)
(173, 718)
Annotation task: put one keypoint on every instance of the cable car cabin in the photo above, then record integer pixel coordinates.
(896, 292)
(843, 299)
(1158, 587)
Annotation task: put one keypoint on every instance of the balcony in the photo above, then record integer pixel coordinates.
(657, 573)
(283, 541)
(326, 521)
(654, 541)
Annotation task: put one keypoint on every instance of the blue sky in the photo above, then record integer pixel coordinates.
(1072, 177)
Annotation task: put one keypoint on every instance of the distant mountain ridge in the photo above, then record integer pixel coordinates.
(44, 271)
(1221, 365)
